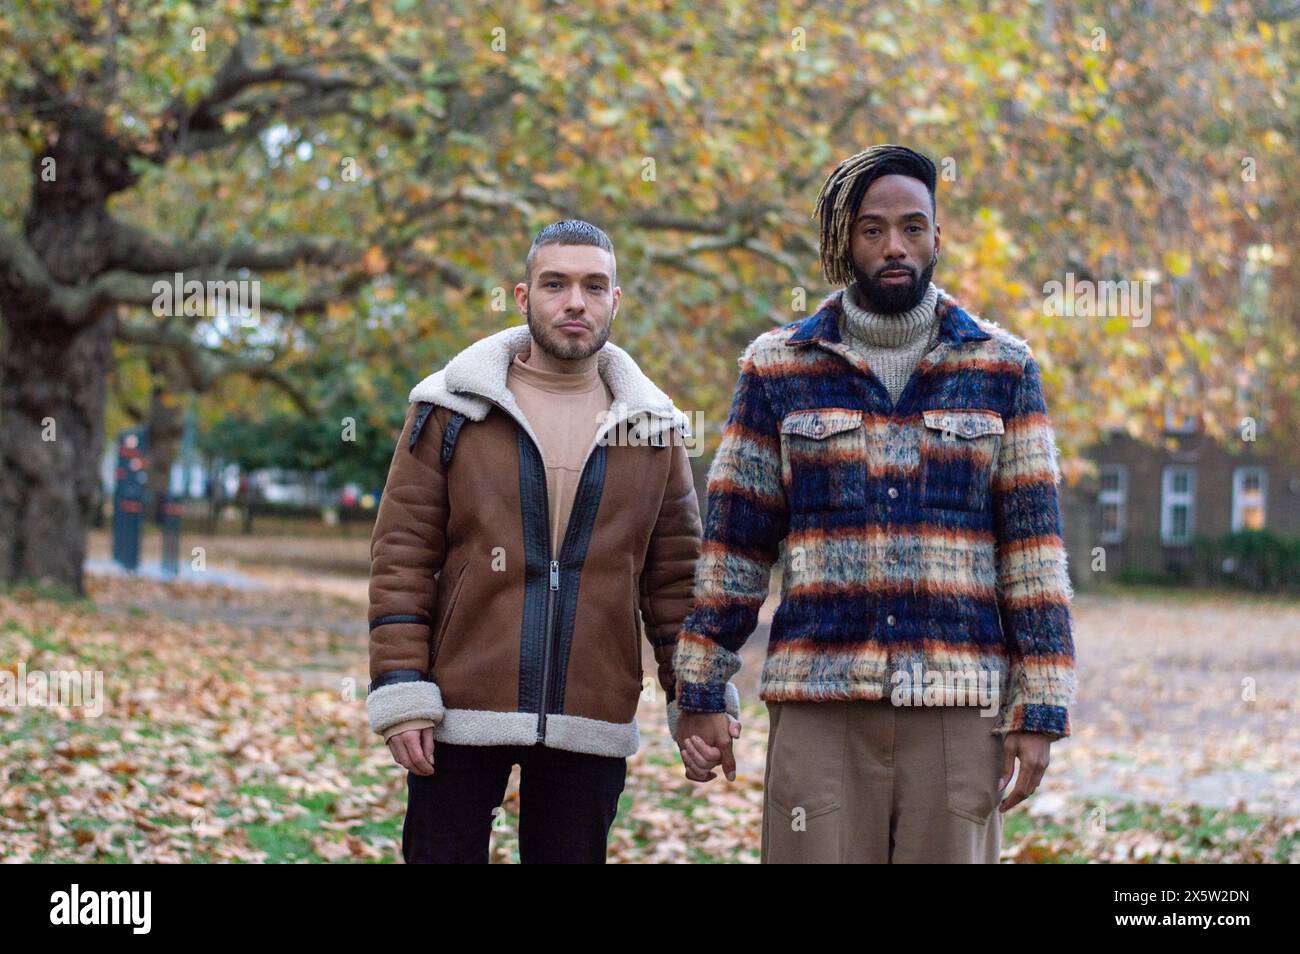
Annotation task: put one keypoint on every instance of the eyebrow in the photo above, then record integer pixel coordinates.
(875, 216)
(553, 274)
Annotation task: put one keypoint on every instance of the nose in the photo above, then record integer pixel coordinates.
(895, 252)
(575, 302)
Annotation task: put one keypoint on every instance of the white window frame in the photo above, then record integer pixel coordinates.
(1169, 499)
(1239, 476)
(1117, 497)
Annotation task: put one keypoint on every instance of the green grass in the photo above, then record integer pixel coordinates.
(1209, 829)
(290, 840)
(32, 592)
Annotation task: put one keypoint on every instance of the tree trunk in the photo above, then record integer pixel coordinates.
(54, 369)
(52, 390)
(165, 430)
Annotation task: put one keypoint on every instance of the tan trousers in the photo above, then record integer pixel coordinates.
(875, 783)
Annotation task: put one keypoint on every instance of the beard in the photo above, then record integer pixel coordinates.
(892, 299)
(559, 346)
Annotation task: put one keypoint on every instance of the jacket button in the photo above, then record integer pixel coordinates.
(893, 491)
(893, 558)
(890, 619)
(819, 429)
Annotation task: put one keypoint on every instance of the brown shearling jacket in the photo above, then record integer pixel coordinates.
(475, 627)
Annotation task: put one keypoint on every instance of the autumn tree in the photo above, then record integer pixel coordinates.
(377, 169)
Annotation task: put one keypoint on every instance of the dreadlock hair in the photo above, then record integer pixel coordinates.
(842, 192)
(567, 232)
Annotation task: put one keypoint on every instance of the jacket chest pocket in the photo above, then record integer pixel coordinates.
(824, 459)
(959, 451)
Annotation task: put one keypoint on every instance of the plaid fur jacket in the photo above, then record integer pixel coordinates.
(921, 542)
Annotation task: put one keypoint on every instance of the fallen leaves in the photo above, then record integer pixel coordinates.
(234, 730)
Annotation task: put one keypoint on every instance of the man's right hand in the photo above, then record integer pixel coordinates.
(705, 741)
(413, 750)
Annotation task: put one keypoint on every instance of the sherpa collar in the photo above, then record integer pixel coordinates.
(476, 378)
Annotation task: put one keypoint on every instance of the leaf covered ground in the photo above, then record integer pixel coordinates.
(234, 729)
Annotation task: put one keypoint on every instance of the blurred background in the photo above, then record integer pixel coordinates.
(233, 235)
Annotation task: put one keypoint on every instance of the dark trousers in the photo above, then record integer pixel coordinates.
(567, 803)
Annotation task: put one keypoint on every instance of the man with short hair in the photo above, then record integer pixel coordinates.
(522, 539)
(895, 453)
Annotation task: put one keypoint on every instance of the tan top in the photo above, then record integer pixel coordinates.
(565, 411)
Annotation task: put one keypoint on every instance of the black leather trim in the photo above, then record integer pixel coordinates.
(398, 618)
(449, 435)
(398, 675)
(586, 502)
(421, 416)
(536, 521)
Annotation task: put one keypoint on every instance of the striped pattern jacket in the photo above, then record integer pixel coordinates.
(921, 542)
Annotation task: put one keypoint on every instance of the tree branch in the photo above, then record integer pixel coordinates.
(139, 251)
(201, 126)
(205, 366)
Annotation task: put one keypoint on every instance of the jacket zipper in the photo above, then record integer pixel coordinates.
(551, 590)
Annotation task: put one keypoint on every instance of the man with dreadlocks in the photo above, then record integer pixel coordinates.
(895, 453)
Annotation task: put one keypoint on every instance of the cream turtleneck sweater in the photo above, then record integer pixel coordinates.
(892, 345)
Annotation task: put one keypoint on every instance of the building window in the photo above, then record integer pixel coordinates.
(1114, 502)
(1249, 489)
(1178, 505)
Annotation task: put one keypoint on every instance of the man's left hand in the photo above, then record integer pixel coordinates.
(1032, 748)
